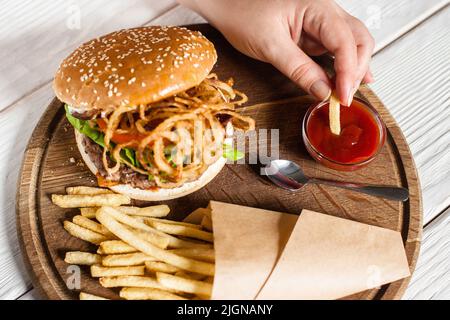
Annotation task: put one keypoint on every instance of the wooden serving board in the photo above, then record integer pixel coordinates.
(47, 169)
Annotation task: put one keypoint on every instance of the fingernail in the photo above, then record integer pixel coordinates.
(357, 84)
(320, 90)
(349, 96)
(352, 92)
(368, 77)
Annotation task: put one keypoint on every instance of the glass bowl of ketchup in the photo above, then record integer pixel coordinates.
(362, 135)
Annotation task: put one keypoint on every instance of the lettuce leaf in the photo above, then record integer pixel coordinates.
(98, 137)
(83, 127)
(129, 154)
(232, 154)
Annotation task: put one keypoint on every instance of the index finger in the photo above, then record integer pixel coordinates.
(336, 36)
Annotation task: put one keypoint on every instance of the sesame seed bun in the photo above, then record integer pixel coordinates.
(132, 67)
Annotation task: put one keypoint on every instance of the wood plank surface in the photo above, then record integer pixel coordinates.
(47, 170)
(36, 35)
(431, 278)
(414, 84)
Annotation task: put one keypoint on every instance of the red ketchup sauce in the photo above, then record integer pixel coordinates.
(359, 138)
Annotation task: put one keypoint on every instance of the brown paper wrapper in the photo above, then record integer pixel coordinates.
(248, 243)
(329, 258)
(263, 254)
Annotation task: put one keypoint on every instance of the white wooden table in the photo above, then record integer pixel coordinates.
(411, 65)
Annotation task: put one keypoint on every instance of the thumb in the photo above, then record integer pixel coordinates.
(301, 69)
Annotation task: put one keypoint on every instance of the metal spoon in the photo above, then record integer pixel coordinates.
(288, 175)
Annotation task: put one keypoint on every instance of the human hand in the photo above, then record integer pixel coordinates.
(285, 32)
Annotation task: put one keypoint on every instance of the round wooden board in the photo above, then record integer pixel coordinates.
(47, 169)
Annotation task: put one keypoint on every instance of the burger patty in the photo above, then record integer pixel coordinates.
(124, 175)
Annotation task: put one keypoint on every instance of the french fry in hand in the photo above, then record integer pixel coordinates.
(334, 114)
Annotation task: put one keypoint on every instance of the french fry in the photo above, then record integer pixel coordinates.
(184, 284)
(80, 200)
(99, 271)
(148, 294)
(127, 259)
(197, 215)
(180, 223)
(155, 266)
(334, 114)
(190, 275)
(209, 279)
(83, 233)
(207, 223)
(87, 190)
(126, 235)
(115, 247)
(130, 281)
(181, 230)
(202, 254)
(139, 225)
(153, 211)
(155, 239)
(82, 258)
(88, 296)
(92, 225)
(88, 212)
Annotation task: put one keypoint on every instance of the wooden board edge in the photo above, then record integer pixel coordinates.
(410, 176)
(36, 149)
(34, 253)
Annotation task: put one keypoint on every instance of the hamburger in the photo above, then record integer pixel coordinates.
(151, 121)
